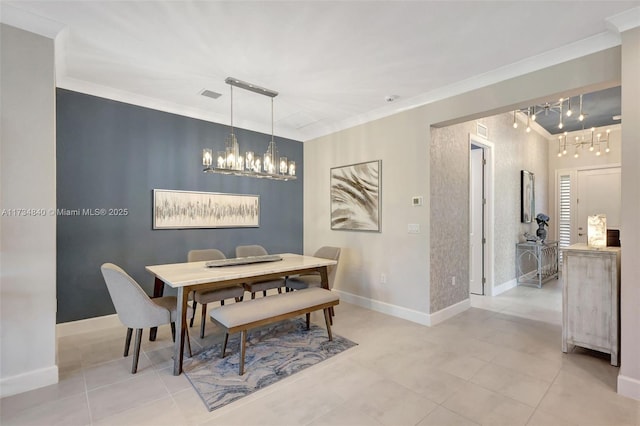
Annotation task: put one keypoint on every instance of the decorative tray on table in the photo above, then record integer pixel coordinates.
(243, 260)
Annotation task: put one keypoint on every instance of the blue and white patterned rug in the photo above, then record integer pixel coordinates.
(272, 354)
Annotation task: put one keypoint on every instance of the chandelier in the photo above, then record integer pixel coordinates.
(562, 108)
(231, 162)
(595, 143)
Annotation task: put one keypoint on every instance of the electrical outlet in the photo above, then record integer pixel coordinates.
(413, 228)
(453, 281)
(383, 279)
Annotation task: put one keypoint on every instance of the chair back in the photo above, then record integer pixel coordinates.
(134, 308)
(333, 253)
(207, 254)
(252, 250)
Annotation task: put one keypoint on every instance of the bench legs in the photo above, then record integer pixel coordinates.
(243, 345)
(203, 320)
(224, 344)
(243, 338)
(327, 320)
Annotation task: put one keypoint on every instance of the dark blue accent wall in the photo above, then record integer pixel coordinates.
(112, 155)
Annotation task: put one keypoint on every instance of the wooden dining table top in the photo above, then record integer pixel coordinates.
(193, 273)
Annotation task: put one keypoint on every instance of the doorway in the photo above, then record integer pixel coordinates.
(599, 192)
(582, 192)
(480, 216)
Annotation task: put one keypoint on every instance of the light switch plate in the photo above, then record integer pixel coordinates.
(413, 228)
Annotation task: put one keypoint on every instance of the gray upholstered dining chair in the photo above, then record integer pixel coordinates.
(263, 286)
(137, 310)
(313, 279)
(208, 296)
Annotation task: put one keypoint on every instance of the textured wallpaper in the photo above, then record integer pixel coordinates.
(449, 224)
(515, 150)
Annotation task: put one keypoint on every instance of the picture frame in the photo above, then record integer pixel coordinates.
(174, 209)
(355, 191)
(527, 196)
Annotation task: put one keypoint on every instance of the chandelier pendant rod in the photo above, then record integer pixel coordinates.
(231, 162)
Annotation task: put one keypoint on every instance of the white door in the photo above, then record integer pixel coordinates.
(476, 221)
(598, 193)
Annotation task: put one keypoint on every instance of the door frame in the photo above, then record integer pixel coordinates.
(573, 173)
(489, 171)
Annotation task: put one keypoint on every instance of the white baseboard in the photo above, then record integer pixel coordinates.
(385, 308)
(405, 313)
(87, 325)
(629, 387)
(28, 381)
(450, 311)
(504, 287)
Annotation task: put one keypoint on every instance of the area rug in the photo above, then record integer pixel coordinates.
(272, 354)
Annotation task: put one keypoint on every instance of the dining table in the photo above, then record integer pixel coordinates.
(197, 276)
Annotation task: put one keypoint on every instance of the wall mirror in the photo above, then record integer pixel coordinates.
(527, 198)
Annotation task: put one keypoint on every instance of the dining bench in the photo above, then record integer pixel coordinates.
(244, 316)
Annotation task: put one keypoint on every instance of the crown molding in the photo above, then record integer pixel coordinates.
(625, 21)
(590, 45)
(136, 99)
(28, 21)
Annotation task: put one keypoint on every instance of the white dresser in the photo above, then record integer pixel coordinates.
(591, 299)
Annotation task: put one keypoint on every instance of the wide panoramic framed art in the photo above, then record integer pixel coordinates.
(191, 209)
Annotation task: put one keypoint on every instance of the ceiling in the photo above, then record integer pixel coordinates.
(599, 109)
(334, 63)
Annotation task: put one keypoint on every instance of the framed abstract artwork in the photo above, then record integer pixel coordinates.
(527, 196)
(355, 197)
(191, 209)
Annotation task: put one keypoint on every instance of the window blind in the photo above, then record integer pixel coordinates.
(564, 223)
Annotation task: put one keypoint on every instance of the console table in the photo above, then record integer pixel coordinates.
(536, 262)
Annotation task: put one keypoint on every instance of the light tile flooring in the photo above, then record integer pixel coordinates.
(485, 366)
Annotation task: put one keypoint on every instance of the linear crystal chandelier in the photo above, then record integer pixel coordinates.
(231, 162)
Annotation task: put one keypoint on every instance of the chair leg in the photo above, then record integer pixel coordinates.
(253, 295)
(243, 346)
(238, 299)
(224, 344)
(203, 321)
(279, 290)
(173, 331)
(308, 315)
(127, 342)
(188, 341)
(136, 351)
(327, 320)
(194, 313)
(264, 293)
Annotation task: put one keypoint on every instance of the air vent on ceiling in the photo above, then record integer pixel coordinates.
(210, 94)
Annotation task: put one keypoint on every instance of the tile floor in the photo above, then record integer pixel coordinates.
(488, 365)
